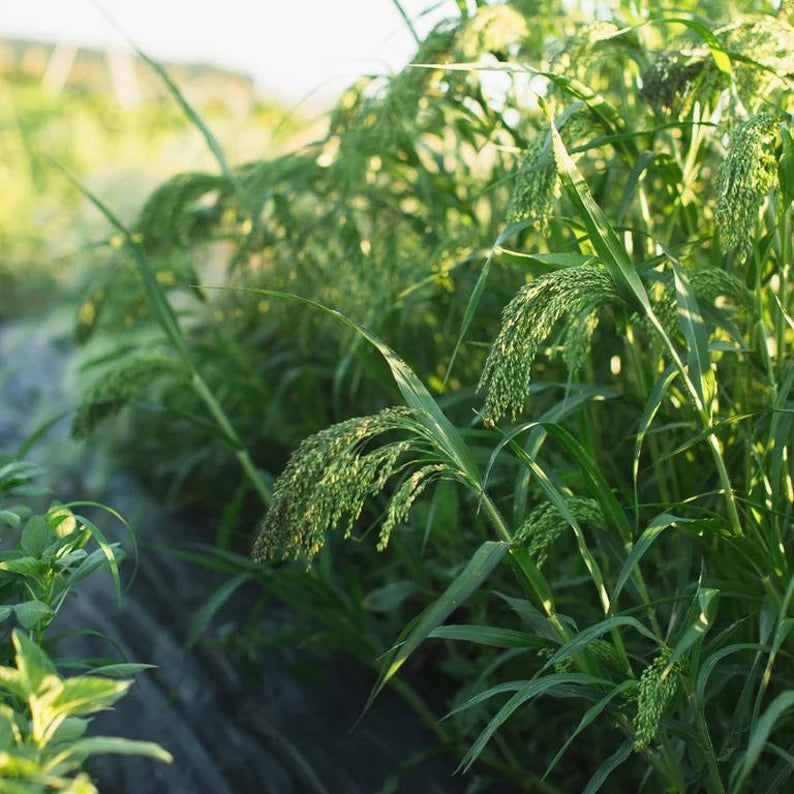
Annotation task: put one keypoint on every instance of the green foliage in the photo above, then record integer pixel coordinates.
(43, 715)
(747, 176)
(559, 242)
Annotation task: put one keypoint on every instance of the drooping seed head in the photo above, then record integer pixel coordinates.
(125, 381)
(656, 688)
(746, 177)
(545, 524)
(329, 477)
(528, 320)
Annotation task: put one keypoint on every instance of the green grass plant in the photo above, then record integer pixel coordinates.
(537, 343)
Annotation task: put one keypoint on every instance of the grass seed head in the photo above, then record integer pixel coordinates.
(528, 320)
(491, 29)
(746, 177)
(654, 694)
(404, 497)
(124, 382)
(329, 477)
(545, 524)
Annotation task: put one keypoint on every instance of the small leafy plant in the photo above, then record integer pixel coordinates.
(44, 715)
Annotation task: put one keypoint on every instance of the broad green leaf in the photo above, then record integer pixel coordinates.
(484, 560)
(10, 519)
(25, 566)
(32, 663)
(69, 731)
(99, 745)
(37, 536)
(18, 471)
(29, 613)
(8, 728)
(85, 694)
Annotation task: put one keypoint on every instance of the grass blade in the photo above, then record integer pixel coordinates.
(645, 541)
(608, 767)
(529, 691)
(589, 717)
(694, 330)
(412, 389)
(760, 733)
(484, 560)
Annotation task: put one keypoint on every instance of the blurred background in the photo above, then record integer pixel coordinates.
(74, 91)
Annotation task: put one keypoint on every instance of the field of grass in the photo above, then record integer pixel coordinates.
(487, 386)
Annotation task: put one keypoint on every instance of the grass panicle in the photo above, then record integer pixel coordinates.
(330, 476)
(746, 177)
(657, 686)
(527, 322)
(709, 284)
(124, 381)
(545, 524)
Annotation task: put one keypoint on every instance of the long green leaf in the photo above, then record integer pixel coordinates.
(479, 287)
(211, 606)
(558, 500)
(694, 329)
(599, 488)
(760, 733)
(586, 636)
(652, 405)
(645, 541)
(486, 635)
(529, 691)
(484, 560)
(589, 717)
(602, 235)
(705, 609)
(412, 389)
(608, 767)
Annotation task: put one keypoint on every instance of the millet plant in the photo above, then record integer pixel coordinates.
(577, 235)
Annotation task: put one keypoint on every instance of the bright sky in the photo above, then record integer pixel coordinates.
(292, 47)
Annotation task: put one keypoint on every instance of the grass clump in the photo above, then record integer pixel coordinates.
(570, 250)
